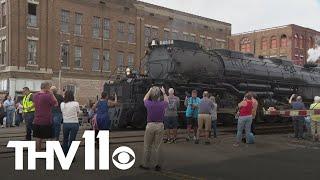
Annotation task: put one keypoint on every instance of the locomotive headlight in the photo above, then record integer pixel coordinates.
(128, 71)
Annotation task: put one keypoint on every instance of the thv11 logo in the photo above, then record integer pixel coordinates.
(123, 157)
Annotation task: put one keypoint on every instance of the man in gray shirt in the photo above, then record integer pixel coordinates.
(171, 117)
(204, 117)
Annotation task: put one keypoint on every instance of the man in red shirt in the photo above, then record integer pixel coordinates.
(43, 101)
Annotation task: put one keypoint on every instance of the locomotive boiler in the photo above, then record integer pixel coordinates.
(226, 74)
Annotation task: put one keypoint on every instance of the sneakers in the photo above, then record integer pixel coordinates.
(143, 167)
(194, 138)
(2, 126)
(207, 143)
(165, 140)
(236, 145)
(188, 138)
(157, 168)
(172, 141)
(196, 141)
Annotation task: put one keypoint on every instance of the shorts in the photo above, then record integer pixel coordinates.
(192, 122)
(171, 122)
(204, 120)
(42, 131)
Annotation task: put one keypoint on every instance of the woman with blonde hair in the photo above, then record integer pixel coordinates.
(315, 119)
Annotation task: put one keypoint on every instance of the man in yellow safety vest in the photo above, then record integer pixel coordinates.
(28, 111)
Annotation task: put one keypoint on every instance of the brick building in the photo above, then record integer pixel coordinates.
(288, 42)
(79, 44)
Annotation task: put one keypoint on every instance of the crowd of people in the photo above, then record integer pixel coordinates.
(201, 117)
(46, 111)
(10, 112)
(312, 123)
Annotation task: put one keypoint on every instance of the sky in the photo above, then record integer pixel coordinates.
(249, 15)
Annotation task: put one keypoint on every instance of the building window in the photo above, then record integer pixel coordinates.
(121, 34)
(3, 52)
(70, 87)
(106, 28)
(106, 60)
(221, 44)
(132, 34)
(154, 33)
(264, 43)
(131, 60)
(32, 15)
(209, 44)
(32, 52)
(296, 41)
(284, 41)
(301, 42)
(64, 55)
(78, 24)
(147, 35)
(120, 58)
(202, 41)
(311, 42)
(65, 18)
(192, 38)
(77, 56)
(95, 59)
(274, 42)
(175, 35)
(96, 27)
(3, 14)
(245, 45)
(166, 35)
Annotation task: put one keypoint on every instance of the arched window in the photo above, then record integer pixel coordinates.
(284, 41)
(311, 42)
(301, 42)
(264, 43)
(274, 42)
(296, 41)
(245, 45)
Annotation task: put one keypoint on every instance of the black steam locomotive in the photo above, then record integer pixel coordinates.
(226, 74)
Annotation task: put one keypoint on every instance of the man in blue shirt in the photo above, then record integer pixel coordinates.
(192, 104)
(298, 121)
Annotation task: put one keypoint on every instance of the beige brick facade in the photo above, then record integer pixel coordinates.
(289, 42)
(35, 34)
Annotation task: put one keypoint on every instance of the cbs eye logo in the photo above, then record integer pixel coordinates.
(123, 158)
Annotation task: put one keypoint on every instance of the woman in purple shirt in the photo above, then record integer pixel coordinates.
(43, 101)
(155, 128)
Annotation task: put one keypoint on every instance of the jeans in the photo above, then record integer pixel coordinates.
(18, 119)
(244, 122)
(56, 127)
(298, 124)
(70, 131)
(214, 128)
(152, 140)
(9, 120)
(28, 117)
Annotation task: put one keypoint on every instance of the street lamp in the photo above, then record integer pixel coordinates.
(61, 61)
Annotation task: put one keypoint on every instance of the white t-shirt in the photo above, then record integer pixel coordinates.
(70, 112)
